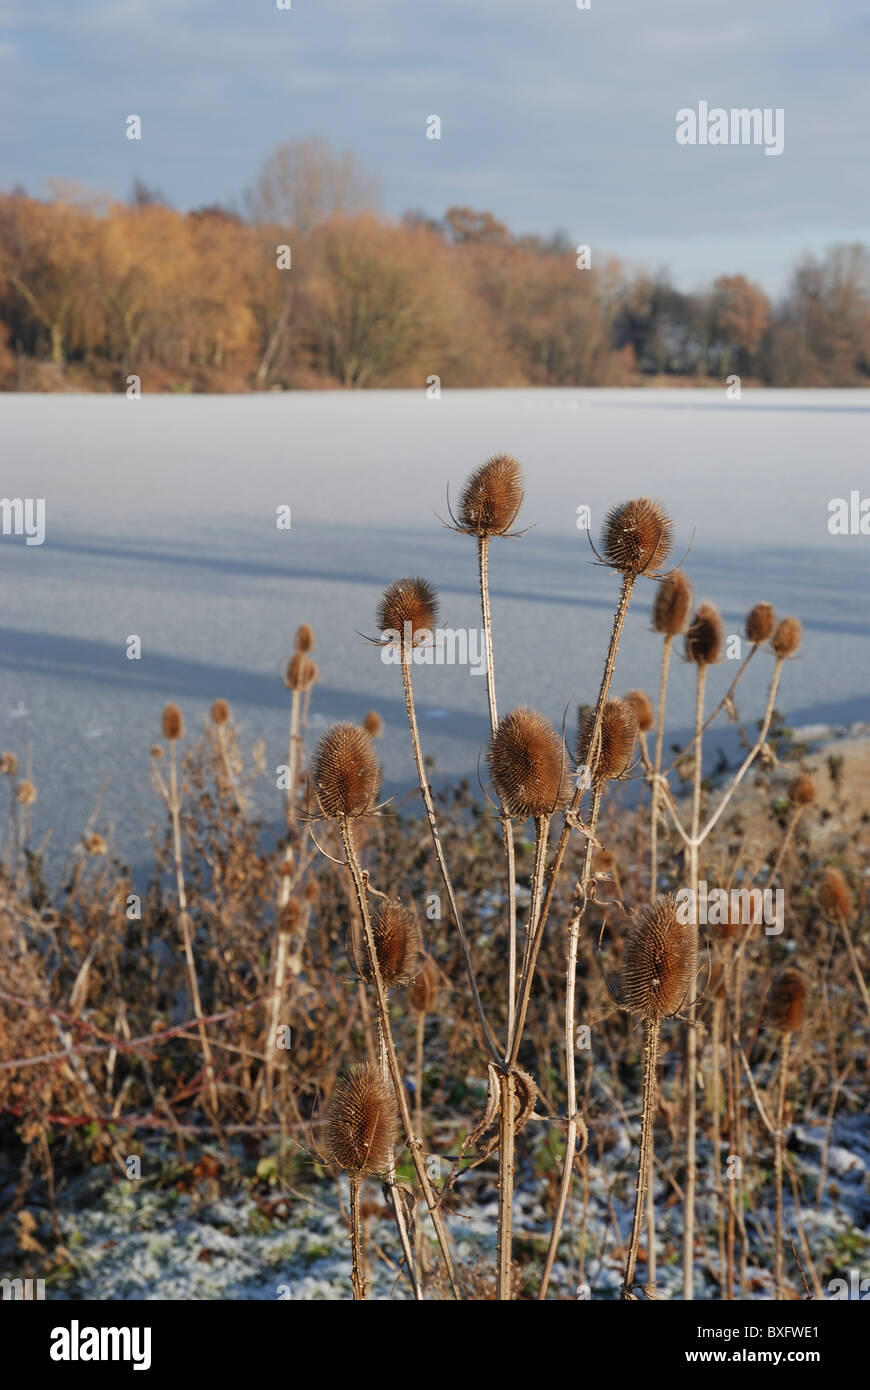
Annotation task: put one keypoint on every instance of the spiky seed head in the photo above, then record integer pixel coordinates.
(657, 961)
(802, 791)
(290, 916)
(787, 637)
(301, 672)
(398, 946)
(26, 793)
(411, 601)
(305, 638)
(492, 496)
(705, 636)
(173, 723)
(8, 765)
(786, 1003)
(637, 536)
(760, 622)
(672, 604)
(835, 895)
(373, 724)
(618, 736)
(95, 844)
(643, 710)
(311, 891)
(423, 994)
(220, 712)
(345, 771)
(528, 765)
(361, 1121)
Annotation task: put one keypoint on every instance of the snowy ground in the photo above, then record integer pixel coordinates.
(135, 1241)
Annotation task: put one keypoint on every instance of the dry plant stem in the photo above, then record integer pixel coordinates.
(570, 988)
(418, 1120)
(230, 775)
(790, 828)
(277, 996)
(716, 1140)
(506, 823)
(358, 1280)
(711, 718)
(292, 752)
(692, 1032)
(777, 1143)
(395, 1199)
(185, 926)
(414, 1145)
(750, 756)
(426, 794)
(562, 845)
(667, 647)
(506, 1092)
(650, 1058)
(853, 961)
(584, 890)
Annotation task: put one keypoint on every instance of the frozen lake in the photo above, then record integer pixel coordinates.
(160, 522)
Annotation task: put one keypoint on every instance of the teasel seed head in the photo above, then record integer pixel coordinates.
(705, 636)
(672, 605)
(760, 622)
(787, 637)
(637, 536)
(301, 672)
(94, 844)
(528, 765)
(290, 916)
(373, 724)
(619, 731)
(786, 1003)
(411, 601)
(492, 496)
(220, 712)
(26, 793)
(361, 1121)
(835, 895)
(643, 710)
(423, 994)
(657, 961)
(802, 791)
(305, 638)
(345, 771)
(398, 945)
(173, 723)
(8, 765)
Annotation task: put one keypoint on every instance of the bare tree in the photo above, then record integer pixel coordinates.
(305, 182)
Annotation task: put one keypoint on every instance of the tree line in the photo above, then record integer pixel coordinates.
(308, 285)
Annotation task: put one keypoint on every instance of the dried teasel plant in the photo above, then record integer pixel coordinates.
(787, 637)
(638, 536)
(345, 775)
(837, 903)
(492, 497)
(786, 1007)
(408, 611)
(345, 772)
(618, 730)
(657, 976)
(361, 1132)
(398, 943)
(760, 622)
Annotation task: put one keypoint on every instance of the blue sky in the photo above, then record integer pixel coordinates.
(552, 117)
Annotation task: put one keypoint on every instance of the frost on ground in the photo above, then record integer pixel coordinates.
(133, 1241)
